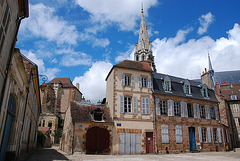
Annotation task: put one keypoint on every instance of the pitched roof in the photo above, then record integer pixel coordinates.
(43, 129)
(177, 87)
(135, 65)
(66, 82)
(82, 112)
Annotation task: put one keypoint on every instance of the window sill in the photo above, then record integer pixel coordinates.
(168, 91)
(189, 95)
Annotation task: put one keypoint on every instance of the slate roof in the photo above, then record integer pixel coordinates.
(135, 65)
(66, 82)
(177, 87)
(81, 112)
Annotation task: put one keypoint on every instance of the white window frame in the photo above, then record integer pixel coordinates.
(178, 131)
(145, 106)
(164, 134)
(163, 107)
(177, 109)
(187, 87)
(127, 104)
(127, 80)
(167, 84)
(204, 134)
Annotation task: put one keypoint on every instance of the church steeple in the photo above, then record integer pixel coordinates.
(211, 71)
(143, 47)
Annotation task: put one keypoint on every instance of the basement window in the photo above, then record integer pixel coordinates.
(97, 115)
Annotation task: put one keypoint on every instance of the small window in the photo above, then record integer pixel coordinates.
(97, 115)
(43, 125)
(127, 80)
(167, 84)
(233, 97)
(202, 112)
(190, 110)
(204, 91)
(204, 136)
(187, 87)
(162, 105)
(144, 82)
(176, 109)
(50, 124)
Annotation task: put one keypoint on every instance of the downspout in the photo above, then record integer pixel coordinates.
(223, 142)
(155, 126)
(73, 137)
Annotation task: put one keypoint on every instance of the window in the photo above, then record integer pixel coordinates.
(190, 110)
(204, 136)
(97, 115)
(145, 105)
(204, 91)
(144, 82)
(162, 105)
(214, 131)
(212, 113)
(202, 112)
(235, 108)
(176, 109)
(238, 121)
(50, 124)
(233, 97)
(186, 87)
(127, 104)
(4, 25)
(127, 80)
(167, 84)
(164, 133)
(43, 125)
(178, 130)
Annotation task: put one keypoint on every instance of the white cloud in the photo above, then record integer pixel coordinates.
(49, 72)
(205, 21)
(129, 54)
(124, 13)
(92, 83)
(45, 24)
(188, 59)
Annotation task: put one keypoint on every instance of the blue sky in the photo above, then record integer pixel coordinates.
(83, 39)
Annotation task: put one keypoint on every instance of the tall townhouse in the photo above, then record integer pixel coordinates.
(187, 115)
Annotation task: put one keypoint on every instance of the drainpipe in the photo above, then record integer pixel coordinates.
(221, 127)
(155, 126)
(73, 137)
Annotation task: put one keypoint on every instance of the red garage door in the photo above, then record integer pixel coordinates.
(97, 141)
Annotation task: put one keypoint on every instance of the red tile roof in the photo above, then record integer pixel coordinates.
(81, 112)
(43, 129)
(66, 82)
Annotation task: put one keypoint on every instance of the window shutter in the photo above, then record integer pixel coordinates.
(157, 106)
(219, 135)
(164, 132)
(135, 105)
(207, 111)
(198, 111)
(185, 109)
(147, 106)
(132, 80)
(182, 109)
(178, 130)
(143, 106)
(123, 79)
(170, 107)
(216, 112)
(200, 134)
(195, 110)
(149, 82)
(140, 81)
(209, 134)
(121, 104)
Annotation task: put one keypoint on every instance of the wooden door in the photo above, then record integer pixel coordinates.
(192, 139)
(149, 142)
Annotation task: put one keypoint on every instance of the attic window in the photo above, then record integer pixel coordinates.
(167, 84)
(187, 87)
(204, 91)
(97, 115)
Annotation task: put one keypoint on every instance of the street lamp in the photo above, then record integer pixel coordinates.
(44, 79)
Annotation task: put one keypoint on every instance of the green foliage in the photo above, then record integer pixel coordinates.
(57, 134)
(40, 139)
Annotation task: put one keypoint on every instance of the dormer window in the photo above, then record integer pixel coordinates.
(97, 115)
(167, 84)
(187, 87)
(204, 91)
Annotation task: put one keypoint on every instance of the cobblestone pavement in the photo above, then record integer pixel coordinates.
(56, 155)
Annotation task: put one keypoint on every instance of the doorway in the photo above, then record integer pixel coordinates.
(149, 142)
(192, 139)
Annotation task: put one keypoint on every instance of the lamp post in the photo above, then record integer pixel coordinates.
(44, 79)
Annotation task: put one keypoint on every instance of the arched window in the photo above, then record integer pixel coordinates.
(167, 84)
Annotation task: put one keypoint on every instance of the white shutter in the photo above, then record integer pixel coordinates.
(216, 112)
(198, 111)
(135, 105)
(209, 134)
(164, 132)
(132, 80)
(200, 134)
(207, 111)
(121, 143)
(123, 79)
(185, 109)
(140, 81)
(149, 82)
(182, 109)
(178, 130)
(195, 110)
(121, 104)
(157, 106)
(147, 106)
(219, 135)
(138, 143)
(143, 106)
(170, 107)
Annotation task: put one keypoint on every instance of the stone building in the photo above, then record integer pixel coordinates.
(159, 113)
(20, 109)
(87, 129)
(55, 100)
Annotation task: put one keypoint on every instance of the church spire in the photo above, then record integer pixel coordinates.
(211, 71)
(143, 47)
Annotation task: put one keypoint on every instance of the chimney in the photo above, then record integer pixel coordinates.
(225, 85)
(217, 89)
(99, 102)
(206, 78)
(77, 86)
